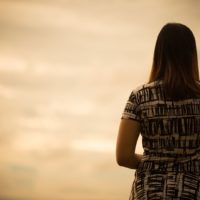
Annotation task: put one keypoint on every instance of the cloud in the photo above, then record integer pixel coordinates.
(66, 69)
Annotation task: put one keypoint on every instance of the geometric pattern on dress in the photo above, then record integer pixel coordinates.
(170, 130)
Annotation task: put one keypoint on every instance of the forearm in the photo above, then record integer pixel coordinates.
(132, 162)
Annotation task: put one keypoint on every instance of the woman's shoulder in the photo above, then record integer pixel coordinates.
(145, 86)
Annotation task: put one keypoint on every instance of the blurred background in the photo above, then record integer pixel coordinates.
(67, 68)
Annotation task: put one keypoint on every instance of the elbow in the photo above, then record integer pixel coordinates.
(121, 158)
(127, 161)
(120, 161)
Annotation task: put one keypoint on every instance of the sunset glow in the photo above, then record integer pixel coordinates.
(66, 71)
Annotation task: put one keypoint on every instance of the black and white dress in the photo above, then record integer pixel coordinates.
(170, 130)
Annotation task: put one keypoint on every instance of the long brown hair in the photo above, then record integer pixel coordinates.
(175, 62)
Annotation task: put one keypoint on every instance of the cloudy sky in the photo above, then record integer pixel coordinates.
(67, 68)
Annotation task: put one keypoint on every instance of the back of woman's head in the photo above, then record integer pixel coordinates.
(175, 62)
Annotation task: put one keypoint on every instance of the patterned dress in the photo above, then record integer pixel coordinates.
(170, 130)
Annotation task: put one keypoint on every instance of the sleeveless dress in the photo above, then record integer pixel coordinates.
(170, 130)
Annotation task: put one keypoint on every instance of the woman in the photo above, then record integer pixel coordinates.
(166, 111)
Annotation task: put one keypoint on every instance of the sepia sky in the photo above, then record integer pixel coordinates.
(67, 68)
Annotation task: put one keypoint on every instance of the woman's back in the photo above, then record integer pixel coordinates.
(170, 129)
(170, 167)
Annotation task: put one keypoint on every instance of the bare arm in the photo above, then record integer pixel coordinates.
(128, 133)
